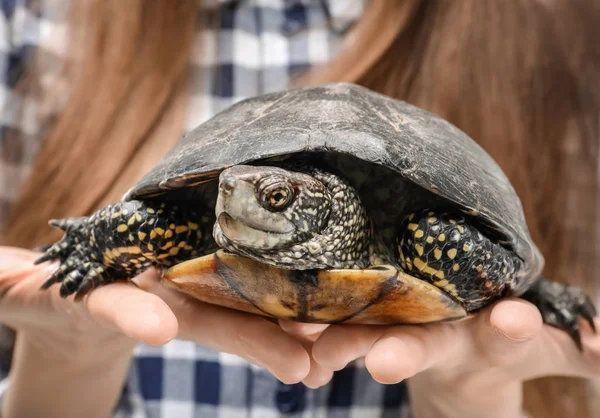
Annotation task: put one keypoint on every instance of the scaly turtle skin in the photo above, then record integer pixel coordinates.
(326, 204)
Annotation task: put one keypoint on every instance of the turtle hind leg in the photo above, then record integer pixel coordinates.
(448, 252)
(562, 306)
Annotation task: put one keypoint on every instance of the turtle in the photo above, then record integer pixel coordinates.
(324, 204)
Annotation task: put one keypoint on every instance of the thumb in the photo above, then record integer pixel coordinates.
(506, 328)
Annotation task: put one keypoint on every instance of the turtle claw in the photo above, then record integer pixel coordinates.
(64, 248)
(54, 252)
(57, 276)
(87, 283)
(563, 306)
(71, 283)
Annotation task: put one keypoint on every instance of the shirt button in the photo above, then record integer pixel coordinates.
(290, 398)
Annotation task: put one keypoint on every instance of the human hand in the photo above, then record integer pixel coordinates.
(118, 316)
(473, 367)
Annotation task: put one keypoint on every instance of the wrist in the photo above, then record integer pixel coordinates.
(73, 352)
(465, 397)
(82, 381)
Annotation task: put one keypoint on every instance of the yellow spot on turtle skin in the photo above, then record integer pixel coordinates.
(169, 234)
(188, 248)
(193, 226)
(460, 228)
(150, 210)
(466, 248)
(429, 240)
(162, 256)
(174, 251)
(160, 211)
(409, 264)
(116, 252)
(455, 267)
(131, 220)
(181, 228)
(442, 237)
(451, 288)
(419, 233)
(151, 221)
(167, 245)
(159, 231)
(141, 236)
(483, 275)
(504, 270)
(130, 237)
(488, 284)
(115, 215)
(479, 267)
(437, 253)
(410, 217)
(171, 226)
(413, 227)
(433, 272)
(441, 283)
(148, 255)
(181, 244)
(122, 228)
(401, 253)
(419, 249)
(138, 217)
(451, 253)
(153, 234)
(420, 264)
(150, 247)
(452, 221)
(487, 256)
(125, 211)
(430, 213)
(432, 220)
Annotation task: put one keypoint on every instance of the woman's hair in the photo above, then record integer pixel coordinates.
(521, 77)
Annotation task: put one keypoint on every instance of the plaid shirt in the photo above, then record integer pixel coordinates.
(261, 43)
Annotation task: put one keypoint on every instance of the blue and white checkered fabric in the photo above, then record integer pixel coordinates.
(259, 47)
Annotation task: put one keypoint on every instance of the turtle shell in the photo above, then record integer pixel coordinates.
(341, 118)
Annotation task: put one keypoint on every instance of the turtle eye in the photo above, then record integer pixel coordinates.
(278, 197)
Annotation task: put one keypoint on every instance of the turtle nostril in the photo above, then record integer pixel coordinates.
(226, 185)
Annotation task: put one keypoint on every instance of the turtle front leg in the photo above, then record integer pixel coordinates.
(445, 250)
(122, 240)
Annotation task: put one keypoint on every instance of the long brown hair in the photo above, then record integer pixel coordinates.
(520, 77)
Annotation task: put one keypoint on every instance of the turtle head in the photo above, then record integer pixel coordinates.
(267, 208)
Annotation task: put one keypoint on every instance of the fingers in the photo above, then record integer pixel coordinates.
(340, 344)
(307, 334)
(136, 313)
(252, 337)
(403, 352)
(505, 330)
(498, 335)
(310, 331)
